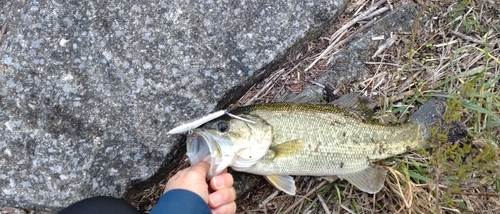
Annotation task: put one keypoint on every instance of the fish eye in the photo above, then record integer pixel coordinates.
(222, 126)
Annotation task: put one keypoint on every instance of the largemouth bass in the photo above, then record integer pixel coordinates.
(278, 140)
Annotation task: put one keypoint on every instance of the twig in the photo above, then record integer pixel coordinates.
(446, 43)
(342, 30)
(386, 45)
(478, 194)
(265, 87)
(356, 19)
(320, 185)
(308, 208)
(323, 204)
(390, 5)
(406, 201)
(328, 49)
(363, 4)
(376, 13)
(451, 209)
(269, 198)
(382, 63)
(355, 33)
(347, 209)
(472, 39)
(317, 84)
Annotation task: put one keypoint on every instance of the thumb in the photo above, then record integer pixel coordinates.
(201, 167)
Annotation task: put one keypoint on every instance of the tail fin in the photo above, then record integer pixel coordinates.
(431, 115)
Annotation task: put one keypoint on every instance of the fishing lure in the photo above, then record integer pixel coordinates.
(196, 123)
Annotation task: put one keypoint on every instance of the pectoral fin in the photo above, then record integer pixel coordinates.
(284, 183)
(370, 180)
(287, 149)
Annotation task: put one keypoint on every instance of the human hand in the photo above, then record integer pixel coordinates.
(219, 197)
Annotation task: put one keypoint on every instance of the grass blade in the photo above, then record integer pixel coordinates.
(475, 107)
(418, 176)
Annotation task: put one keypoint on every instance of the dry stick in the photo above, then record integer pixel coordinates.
(348, 38)
(380, 82)
(323, 204)
(474, 60)
(358, 18)
(390, 5)
(376, 13)
(381, 63)
(307, 190)
(320, 185)
(472, 39)
(265, 87)
(310, 206)
(269, 198)
(461, 22)
(347, 209)
(327, 50)
(389, 42)
(446, 43)
(342, 30)
(360, 8)
(255, 96)
(478, 194)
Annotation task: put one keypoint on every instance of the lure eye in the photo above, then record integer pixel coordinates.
(222, 126)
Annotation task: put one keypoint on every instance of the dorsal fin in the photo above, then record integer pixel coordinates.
(356, 103)
(305, 96)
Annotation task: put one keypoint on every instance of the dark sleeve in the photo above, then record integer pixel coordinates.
(180, 201)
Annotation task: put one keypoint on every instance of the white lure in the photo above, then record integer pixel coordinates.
(196, 123)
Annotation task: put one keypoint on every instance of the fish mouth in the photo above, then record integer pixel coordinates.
(204, 146)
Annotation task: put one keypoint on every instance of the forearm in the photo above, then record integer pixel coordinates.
(180, 201)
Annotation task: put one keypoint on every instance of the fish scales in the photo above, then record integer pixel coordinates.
(326, 140)
(278, 140)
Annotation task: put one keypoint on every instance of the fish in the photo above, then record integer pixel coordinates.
(281, 140)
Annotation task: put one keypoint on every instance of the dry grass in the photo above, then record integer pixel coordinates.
(456, 50)
(449, 52)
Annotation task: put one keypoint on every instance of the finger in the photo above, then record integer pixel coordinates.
(201, 167)
(224, 180)
(226, 208)
(221, 197)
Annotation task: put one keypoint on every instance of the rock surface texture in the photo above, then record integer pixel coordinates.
(88, 89)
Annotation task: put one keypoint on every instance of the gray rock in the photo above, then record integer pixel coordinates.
(348, 65)
(88, 89)
(11, 210)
